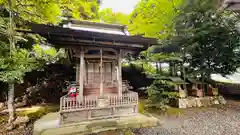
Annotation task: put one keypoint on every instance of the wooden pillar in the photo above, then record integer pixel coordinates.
(101, 74)
(81, 75)
(113, 73)
(119, 73)
(77, 74)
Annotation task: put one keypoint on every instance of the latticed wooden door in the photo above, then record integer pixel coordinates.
(93, 74)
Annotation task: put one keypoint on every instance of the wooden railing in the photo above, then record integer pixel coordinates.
(72, 103)
(68, 104)
(130, 98)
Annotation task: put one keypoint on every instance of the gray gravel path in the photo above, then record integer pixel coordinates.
(211, 121)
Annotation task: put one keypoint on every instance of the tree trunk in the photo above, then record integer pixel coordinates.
(172, 69)
(184, 79)
(11, 108)
(160, 67)
(157, 70)
(203, 79)
(11, 33)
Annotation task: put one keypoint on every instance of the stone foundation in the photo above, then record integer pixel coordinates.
(200, 101)
(49, 125)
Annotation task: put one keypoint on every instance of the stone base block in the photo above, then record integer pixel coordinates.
(48, 125)
(200, 101)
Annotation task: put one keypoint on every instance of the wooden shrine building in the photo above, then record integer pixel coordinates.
(97, 50)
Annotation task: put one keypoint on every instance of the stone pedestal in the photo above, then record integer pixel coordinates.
(200, 101)
(222, 100)
(182, 94)
(182, 103)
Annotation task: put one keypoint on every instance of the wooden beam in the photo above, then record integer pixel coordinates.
(77, 73)
(79, 44)
(103, 57)
(98, 61)
(97, 48)
(101, 43)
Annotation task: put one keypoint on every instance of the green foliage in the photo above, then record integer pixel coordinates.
(16, 63)
(210, 39)
(47, 54)
(14, 68)
(51, 11)
(146, 66)
(108, 16)
(159, 94)
(150, 57)
(80, 9)
(154, 18)
(15, 60)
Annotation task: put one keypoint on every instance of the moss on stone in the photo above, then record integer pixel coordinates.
(37, 113)
(141, 106)
(174, 111)
(102, 124)
(127, 132)
(94, 126)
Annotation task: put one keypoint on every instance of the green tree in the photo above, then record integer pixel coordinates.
(51, 11)
(154, 18)
(108, 16)
(16, 61)
(209, 38)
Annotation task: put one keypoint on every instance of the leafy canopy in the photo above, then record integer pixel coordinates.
(51, 11)
(154, 18)
(210, 38)
(13, 68)
(108, 16)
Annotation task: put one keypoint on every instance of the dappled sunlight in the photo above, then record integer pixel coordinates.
(32, 109)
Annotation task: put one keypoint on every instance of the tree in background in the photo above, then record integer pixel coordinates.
(151, 18)
(154, 18)
(108, 16)
(15, 60)
(51, 11)
(211, 39)
(204, 38)
(80, 9)
(15, 63)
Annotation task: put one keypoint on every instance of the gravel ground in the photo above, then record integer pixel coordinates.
(217, 120)
(224, 120)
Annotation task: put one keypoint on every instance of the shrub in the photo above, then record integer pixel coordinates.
(160, 95)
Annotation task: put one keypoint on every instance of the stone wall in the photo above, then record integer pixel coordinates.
(83, 115)
(200, 101)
